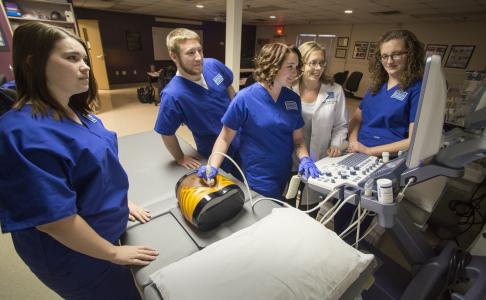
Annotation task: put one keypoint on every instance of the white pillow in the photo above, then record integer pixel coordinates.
(286, 255)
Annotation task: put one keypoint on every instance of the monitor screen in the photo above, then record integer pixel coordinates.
(429, 120)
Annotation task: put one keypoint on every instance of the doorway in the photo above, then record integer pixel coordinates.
(90, 33)
(325, 40)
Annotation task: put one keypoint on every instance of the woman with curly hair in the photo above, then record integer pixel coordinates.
(268, 116)
(385, 118)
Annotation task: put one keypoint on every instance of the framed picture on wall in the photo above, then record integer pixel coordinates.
(360, 50)
(343, 41)
(134, 41)
(3, 41)
(371, 50)
(459, 56)
(436, 49)
(341, 52)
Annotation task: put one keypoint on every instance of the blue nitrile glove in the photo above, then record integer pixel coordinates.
(201, 172)
(307, 168)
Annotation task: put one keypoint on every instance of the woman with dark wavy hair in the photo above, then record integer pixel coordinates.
(63, 191)
(268, 116)
(385, 118)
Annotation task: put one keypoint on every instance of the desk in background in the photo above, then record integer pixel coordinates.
(153, 77)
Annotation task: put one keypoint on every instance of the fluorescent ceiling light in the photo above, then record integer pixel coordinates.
(200, 6)
(178, 21)
(348, 11)
(273, 17)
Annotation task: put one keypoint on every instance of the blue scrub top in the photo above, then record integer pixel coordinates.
(387, 115)
(184, 101)
(266, 141)
(9, 85)
(53, 169)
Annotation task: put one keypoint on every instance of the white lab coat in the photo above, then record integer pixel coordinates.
(329, 122)
(329, 127)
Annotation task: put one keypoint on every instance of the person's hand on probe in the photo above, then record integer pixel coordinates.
(202, 172)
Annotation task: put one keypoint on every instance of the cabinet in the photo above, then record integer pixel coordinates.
(59, 13)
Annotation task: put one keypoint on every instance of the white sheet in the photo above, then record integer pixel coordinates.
(286, 255)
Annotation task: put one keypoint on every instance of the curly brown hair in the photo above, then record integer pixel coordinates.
(414, 68)
(306, 50)
(270, 59)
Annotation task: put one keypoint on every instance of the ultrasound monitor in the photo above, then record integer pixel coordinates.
(429, 119)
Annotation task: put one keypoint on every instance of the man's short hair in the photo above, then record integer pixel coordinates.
(176, 36)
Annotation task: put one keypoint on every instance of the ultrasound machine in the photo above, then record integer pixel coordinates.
(431, 154)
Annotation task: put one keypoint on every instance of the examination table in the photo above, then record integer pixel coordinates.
(153, 175)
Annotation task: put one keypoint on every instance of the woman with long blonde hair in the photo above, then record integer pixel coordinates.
(323, 109)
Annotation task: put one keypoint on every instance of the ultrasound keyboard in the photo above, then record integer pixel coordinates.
(352, 169)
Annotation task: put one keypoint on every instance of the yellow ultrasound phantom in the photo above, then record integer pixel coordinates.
(206, 206)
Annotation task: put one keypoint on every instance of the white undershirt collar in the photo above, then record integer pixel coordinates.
(201, 82)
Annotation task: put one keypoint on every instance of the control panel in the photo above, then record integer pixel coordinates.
(352, 169)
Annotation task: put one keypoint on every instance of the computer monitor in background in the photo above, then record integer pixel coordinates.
(429, 120)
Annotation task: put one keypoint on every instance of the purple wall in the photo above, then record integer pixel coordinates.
(6, 54)
(113, 28)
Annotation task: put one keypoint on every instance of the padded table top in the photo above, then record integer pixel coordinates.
(153, 174)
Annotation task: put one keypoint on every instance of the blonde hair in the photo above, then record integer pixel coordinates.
(176, 36)
(270, 59)
(306, 49)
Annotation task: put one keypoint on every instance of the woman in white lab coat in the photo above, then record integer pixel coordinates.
(326, 125)
(323, 108)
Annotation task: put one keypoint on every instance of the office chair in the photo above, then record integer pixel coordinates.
(352, 84)
(165, 76)
(340, 77)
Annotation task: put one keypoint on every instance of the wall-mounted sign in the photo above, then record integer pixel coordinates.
(134, 41)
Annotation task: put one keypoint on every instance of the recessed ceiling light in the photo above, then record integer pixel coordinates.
(200, 6)
(348, 11)
(273, 17)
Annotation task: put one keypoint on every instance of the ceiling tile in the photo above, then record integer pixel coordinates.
(298, 12)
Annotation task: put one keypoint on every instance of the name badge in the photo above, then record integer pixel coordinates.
(399, 95)
(218, 79)
(291, 105)
(90, 118)
(330, 98)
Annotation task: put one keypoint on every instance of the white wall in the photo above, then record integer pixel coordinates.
(459, 33)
